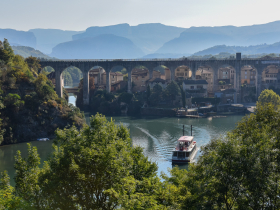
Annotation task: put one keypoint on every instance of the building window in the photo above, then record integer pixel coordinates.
(192, 87)
(245, 77)
(245, 72)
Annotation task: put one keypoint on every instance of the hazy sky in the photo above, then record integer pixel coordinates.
(81, 14)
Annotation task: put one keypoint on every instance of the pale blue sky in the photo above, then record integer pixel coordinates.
(81, 14)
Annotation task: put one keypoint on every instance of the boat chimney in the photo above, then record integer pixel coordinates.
(191, 130)
(183, 130)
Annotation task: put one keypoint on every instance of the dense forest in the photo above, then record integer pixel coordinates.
(30, 108)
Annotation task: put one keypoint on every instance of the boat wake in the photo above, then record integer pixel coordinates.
(164, 149)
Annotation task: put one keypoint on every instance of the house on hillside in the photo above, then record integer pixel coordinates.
(227, 96)
(118, 85)
(114, 77)
(195, 88)
(139, 78)
(248, 75)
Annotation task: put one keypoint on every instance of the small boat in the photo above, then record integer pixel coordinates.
(43, 139)
(185, 150)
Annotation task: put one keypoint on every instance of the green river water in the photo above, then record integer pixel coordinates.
(157, 136)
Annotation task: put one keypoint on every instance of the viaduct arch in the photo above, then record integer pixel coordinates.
(108, 64)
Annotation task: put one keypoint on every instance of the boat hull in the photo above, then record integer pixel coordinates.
(186, 160)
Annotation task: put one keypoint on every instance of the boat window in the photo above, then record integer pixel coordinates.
(175, 154)
(181, 154)
(187, 154)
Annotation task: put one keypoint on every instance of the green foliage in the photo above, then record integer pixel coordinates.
(44, 88)
(48, 69)
(157, 95)
(183, 95)
(34, 64)
(269, 97)
(13, 101)
(68, 81)
(124, 71)
(25, 98)
(75, 73)
(240, 171)
(125, 97)
(95, 168)
(8, 50)
(222, 82)
(27, 174)
(148, 92)
(101, 102)
(173, 90)
(8, 199)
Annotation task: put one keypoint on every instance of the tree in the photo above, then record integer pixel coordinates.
(148, 93)
(95, 168)
(34, 64)
(8, 199)
(173, 90)
(4, 55)
(8, 49)
(183, 94)
(13, 101)
(125, 97)
(156, 95)
(269, 97)
(240, 171)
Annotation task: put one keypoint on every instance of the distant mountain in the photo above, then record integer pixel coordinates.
(149, 37)
(198, 38)
(106, 46)
(18, 37)
(28, 51)
(49, 38)
(250, 50)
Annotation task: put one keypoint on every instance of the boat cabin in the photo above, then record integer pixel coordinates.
(183, 148)
(184, 142)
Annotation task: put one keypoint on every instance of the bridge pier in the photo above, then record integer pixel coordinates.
(108, 81)
(259, 83)
(238, 77)
(193, 70)
(151, 73)
(85, 88)
(129, 83)
(215, 78)
(172, 73)
(58, 83)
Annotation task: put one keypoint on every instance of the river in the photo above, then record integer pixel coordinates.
(157, 136)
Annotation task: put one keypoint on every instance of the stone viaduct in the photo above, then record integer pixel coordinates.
(108, 64)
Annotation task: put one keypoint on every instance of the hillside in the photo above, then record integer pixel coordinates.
(29, 106)
(250, 50)
(105, 46)
(18, 37)
(196, 39)
(28, 51)
(148, 37)
(49, 38)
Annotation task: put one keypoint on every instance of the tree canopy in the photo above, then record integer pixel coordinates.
(269, 97)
